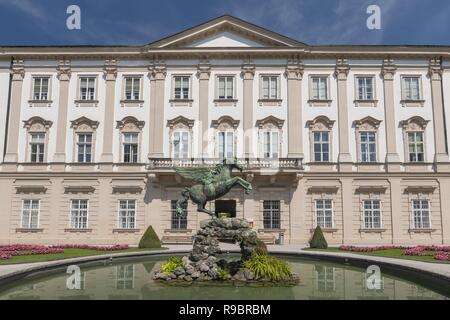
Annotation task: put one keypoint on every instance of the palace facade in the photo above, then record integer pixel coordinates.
(350, 138)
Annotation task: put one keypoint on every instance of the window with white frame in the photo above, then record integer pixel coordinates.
(368, 145)
(225, 87)
(371, 214)
(416, 146)
(84, 146)
(325, 279)
(87, 88)
(30, 213)
(319, 90)
(321, 146)
(130, 147)
(41, 88)
(79, 214)
(181, 89)
(37, 147)
(269, 87)
(180, 144)
(324, 213)
(127, 214)
(411, 87)
(178, 222)
(270, 144)
(226, 144)
(271, 214)
(125, 276)
(365, 88)
(132, 88)
(421, 215)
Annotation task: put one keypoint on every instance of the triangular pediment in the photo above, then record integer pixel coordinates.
(226, 32)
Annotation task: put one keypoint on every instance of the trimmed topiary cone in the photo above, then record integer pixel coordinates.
(149, 239)
(318, 240)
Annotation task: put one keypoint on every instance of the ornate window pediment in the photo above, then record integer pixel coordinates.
(224, 123)
(367, 124)
(130, 124)
(37, 124)
(415, 123)
(84, 124)
(180, 122)
(320, 123)
(270, 122)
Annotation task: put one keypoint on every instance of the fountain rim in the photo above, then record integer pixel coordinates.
(438, 282)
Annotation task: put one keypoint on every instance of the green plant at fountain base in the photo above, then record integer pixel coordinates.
(260, 247)
(223, 275)
(268, 267)
(171, 264)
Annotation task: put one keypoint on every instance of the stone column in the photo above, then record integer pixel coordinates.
(110, 75)
(435, 75)
(158, 76)
(63, 74)
(396, 211)
(294, 75)
(248, 73)
(387, 73)
(348, 231)
(14, 125)
(203, 74)
(341, 73)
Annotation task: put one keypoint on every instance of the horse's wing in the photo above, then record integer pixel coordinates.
(196, 174)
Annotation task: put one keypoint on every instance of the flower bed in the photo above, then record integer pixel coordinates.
(8, 251)
(437, 252)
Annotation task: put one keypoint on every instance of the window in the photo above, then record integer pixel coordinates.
(319, 88)
(365, 88)
(226, 144)
(132, 88)
(40, 88)
(270, 87)
(84, 146)
(225, 87)
(181, 88)
(270, 144)
(125, 276)
(130, 147)
(411, 87)
(127, 214)
(368, 146)
(271, 214)
(325, 279)
(324, 213)
(416, 147)
(372, 214)
(178, 222)
(421, 214)
(37, 146)
(321, 146)
(87, 88)
(30, 214)
(79, 214)
(180, 144)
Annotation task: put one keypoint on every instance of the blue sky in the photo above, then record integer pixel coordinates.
(109, 22)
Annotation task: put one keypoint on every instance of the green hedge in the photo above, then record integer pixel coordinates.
(318, 240)
(149, 239)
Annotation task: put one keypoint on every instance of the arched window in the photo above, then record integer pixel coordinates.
(130, 139)
(225, 136)
(321, 138)
(84, 139)
(270, 133)
(366, 131)
(37, 139)
(180, 137)
(414, 138)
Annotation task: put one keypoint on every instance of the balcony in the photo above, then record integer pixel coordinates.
(254, 164)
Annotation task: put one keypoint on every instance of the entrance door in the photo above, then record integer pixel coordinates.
(226, 206)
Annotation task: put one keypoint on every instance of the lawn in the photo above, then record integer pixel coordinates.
(391, 253)
(68, 253)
